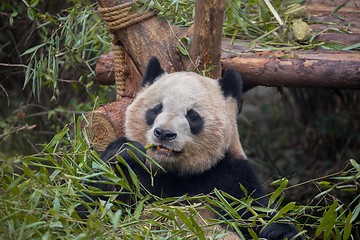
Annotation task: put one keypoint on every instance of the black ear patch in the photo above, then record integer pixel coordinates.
(231, 84)
(153, 70)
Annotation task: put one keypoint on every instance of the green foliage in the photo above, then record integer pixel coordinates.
(40, 194)
(266, 23)
(75, 41)
(269, 24)
(55, 45)
(179, 12)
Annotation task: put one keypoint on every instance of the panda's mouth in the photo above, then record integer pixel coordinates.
(161, 149)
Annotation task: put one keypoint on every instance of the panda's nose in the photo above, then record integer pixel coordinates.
(164, 134)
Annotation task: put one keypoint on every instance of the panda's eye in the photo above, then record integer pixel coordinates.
(152, 113)
(192, 115)
(158, 109)
(196, 122)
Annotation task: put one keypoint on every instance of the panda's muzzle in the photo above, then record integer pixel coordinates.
(164, 137)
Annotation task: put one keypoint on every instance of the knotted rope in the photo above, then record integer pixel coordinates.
(116, 18)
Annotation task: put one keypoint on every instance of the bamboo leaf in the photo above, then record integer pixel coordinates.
(253, 234)
(355, 165)
(34, 49)
(27, 74)
(347, 227)
(31, 13)
(352, 47)
(115, 219)
(336, 9)
(34, 3)
(139, 209)
(264, 11)
(283, 184)
(355, 213)
(225, 204)
(55, 140)
(56, 204)
(327, 221)
(185, 219)
(282, 211)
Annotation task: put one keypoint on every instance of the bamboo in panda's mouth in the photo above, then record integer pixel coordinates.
(160, 149)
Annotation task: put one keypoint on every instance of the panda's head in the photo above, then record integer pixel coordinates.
(189, 118)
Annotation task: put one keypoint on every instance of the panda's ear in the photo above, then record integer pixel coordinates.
(153, 70)
(231, 84)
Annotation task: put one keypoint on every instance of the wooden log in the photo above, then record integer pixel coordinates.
(317, 69)
(322, 69)
(334, 37)
(106, 123)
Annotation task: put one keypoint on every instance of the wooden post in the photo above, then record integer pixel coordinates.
(151, 37)
(205, 48)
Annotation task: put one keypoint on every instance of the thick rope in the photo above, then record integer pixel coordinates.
(119, 66)
(119, 17)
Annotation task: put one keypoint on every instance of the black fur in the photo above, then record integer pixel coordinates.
(196, 122)
(152, 113)
(231, 84)
(153, 70)
(226, 175)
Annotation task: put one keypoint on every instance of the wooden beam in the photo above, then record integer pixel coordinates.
(318, 69)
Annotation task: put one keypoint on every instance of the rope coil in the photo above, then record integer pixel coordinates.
(119, 17)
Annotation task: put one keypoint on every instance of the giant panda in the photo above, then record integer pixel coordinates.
(190, 122)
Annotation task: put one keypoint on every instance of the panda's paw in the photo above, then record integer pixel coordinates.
(125, 149)
(280, 231)
(131, 150)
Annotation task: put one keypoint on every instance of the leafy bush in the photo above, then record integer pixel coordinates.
(40, 194)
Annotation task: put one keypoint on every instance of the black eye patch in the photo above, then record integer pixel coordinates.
(196, 122)
(152, 113)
